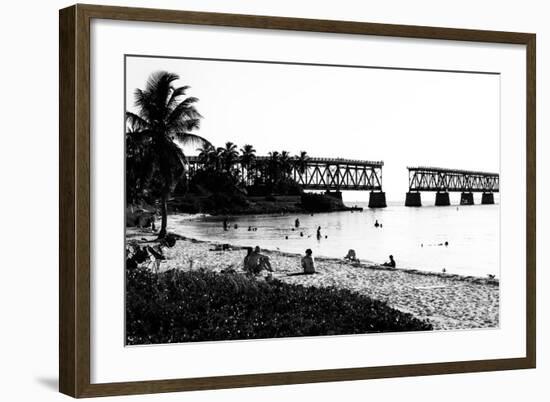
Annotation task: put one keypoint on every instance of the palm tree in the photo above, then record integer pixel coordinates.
(166, 120)
(207, 156)
(285, 163)
(229, 156)
(301, 162)
(247, 158)
(137, 166)
(273, 166)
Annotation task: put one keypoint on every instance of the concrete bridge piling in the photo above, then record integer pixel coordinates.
(412, 199)
(487, 198)
(442, 199)
(377, 199)
(467, 199)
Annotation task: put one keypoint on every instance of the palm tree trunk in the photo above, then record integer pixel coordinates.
(164, 217)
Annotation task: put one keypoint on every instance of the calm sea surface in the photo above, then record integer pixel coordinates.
(412, 235)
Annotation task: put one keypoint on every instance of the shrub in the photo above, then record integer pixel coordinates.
(223, 203)
(178, 306)
(320, 203)
(186, 204)
(214, 181)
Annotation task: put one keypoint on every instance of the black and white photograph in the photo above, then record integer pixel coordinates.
(272, 199)
(232, 200)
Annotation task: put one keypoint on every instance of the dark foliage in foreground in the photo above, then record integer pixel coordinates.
(200, 306)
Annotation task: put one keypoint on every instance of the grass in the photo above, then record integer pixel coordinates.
(177, 306)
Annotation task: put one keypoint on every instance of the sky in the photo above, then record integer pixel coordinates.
(403, 118)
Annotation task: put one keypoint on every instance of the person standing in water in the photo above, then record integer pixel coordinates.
(297, 223)
(376, 224)
(319, 233)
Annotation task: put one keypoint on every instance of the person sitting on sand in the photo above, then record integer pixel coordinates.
(156, 256)
(263, 260)
(255, 262)
(390, 263)
(307, 262)
(308, 265)
(351, 256)
(246, 262)
(168, 241)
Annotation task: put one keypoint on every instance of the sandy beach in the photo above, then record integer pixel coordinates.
(447, 301)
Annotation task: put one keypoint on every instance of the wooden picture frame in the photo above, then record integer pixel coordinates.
(74, 204)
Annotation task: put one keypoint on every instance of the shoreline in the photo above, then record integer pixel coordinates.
(366, 264)
(448, 301)
(417, 255)
(239, 204)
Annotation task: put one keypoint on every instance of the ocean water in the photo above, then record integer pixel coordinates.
(412, 235)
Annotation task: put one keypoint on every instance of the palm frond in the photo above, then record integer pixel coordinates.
(176, 94)
(185, 126)
(144, 102)
(194, 140)
(135, 122)
(184, 111)
(159, 85)
(143, 137)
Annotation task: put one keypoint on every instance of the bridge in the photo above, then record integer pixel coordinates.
(443, 181)
(332, 175)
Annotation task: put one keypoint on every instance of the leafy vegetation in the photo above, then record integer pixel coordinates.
(166, 119)
(154, 158)
(178, 306)
(320, 203)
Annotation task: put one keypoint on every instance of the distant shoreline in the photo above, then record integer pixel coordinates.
(239, 204)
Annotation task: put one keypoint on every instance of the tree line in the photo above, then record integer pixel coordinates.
(165, 120)
(243, 164)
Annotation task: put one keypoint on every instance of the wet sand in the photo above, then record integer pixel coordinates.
(447, 301)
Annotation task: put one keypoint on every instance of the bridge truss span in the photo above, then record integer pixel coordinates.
(440, 179)
(443, 181)
(339, 174)
(332, 175)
